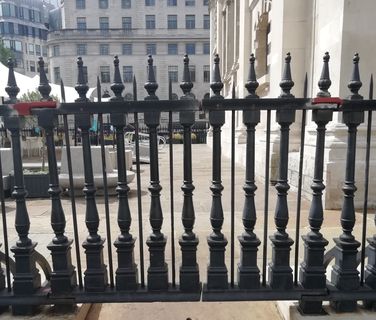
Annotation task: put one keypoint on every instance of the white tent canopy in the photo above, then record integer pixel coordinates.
(26, 84)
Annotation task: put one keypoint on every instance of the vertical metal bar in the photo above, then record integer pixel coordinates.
(232, 222)
(171, 158)
(73, 202)
(5, 228)
(266, 200)
(106, 206)
(139, 200)
(300, 181)
(366, 185)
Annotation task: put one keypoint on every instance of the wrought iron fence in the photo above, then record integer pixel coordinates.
(353, 277)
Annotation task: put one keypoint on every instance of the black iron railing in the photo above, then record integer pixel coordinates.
(124, 277)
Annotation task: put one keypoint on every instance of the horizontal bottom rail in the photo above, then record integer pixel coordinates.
(173, 294)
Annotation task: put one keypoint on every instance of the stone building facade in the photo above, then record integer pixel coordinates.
(99, 29)
(307, 29)
(23, 29)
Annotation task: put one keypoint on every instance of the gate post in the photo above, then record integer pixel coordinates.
(248, 272)
(280, 272)
(158, 270)
(126, 273)
(26, 279)
(345, 275)
(189, 272)
(96, 272)
(217, 270)
(312, 270)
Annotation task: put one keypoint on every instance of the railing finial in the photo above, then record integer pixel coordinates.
(355, 84)
(12, 89)
(44, 87)
(186, 85)
(216, 83)
(252, 84)
(117, 86)
(325, 82)
(286, 83)
(81, 86)
(151, 85)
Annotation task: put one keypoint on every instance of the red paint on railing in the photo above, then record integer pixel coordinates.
(24, 108)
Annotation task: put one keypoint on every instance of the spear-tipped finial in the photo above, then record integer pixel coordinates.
(99, 90)
(252, 84)
(355, 84)
(81, 86)
(44, 87)
(324, 82)
(305, 89)
(62, 90)
(117, 86)
(151, 85)
(186, 85)
(12, 88)
(286, 83)
(216, 84)
(370, 96)
(134, 88)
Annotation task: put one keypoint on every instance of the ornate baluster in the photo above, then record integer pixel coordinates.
(44, 87)
(96, 273)
(248, 272)
(26, 279)
(280, 272)
(370, 270)
(126, 273)
(189, 271)
(11, 89)
(312, 271)
(345, 275)
(157, 271)
(63, 276)
(217, 270)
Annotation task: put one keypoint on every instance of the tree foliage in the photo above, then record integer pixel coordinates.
(5, 54)
(34, 96)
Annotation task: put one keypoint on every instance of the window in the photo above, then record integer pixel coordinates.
(104, 24)
(127, 23)
(173, 73)
(149, 3)
(206, 73)
(205, 2)
(190, 21)
(104, 49)
(32, 66)
(31, 48)
(150, 21)
(151, 48)
(103, 4)
(206, 48)
(81, 49)
(171, 3)
(127, 73)
(56, 51)
(192, 72)
(57, 76)
(127, 49)
(172, 21)
(105, 74)
(206, 23)
(80, 4)
(126, 4)
(190, 48)
(81, 23)
(172, 48)
(37, 50)
(190, 3)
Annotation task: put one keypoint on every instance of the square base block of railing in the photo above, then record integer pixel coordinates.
(126, 274)
(158, 270)
(63, 276)
(248, 277)
(189, 271)
(248, 272)
(217, 271)
(26, 279)
(96, 273)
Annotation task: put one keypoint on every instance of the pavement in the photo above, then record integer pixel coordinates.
(41, 232)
